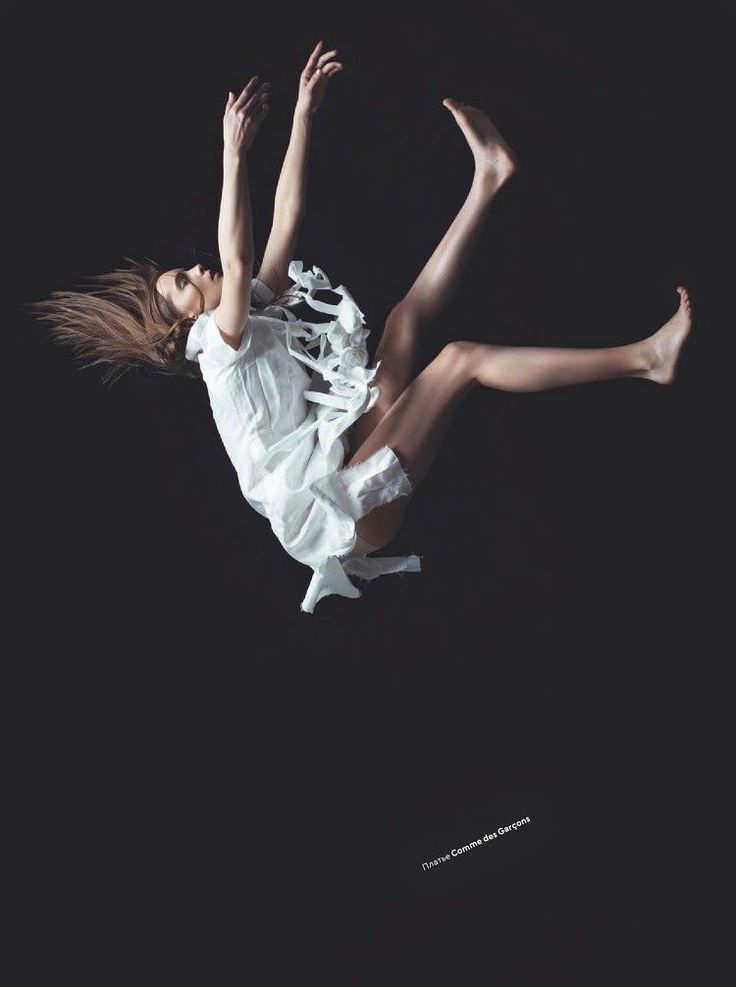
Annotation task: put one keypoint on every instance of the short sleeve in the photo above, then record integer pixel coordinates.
(219, 353)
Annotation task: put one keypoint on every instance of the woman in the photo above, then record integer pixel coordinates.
(328, 449)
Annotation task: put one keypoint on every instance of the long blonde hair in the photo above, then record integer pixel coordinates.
(121, 321)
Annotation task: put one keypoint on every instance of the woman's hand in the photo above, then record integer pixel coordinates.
(313, 80)
(243, 116)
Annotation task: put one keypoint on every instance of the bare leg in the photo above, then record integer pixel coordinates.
(495, 163)
(416, 424)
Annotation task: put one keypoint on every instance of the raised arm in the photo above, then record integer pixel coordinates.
(235, 226)
(291, 191)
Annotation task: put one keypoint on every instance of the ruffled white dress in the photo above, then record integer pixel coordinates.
(282, 404)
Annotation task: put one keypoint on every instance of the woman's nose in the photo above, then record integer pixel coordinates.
(198, 268)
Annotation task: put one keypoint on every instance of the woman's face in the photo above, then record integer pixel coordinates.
(188, 293)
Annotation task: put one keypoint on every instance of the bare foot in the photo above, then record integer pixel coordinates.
(662, 349)
(493, 156)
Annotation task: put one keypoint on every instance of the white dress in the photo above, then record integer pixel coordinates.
(282, 403)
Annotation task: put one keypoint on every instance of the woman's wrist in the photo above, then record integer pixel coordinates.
(233, 155)
(303, 115)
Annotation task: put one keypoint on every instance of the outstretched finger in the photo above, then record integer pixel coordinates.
(325, 57)
(312, 61)
(246, 93)
(257, 98)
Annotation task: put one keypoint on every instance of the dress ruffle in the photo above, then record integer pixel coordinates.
(341, 356)
(335, 351)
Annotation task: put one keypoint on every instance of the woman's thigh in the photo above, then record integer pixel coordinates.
(414, 428)
(397, 352)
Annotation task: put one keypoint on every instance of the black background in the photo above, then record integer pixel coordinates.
(195, 752)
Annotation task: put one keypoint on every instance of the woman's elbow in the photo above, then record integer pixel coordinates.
(239, 265)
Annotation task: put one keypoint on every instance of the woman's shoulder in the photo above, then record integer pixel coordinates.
(205, 338)
(207, 345)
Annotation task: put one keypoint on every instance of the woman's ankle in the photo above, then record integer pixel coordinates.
(641, 358)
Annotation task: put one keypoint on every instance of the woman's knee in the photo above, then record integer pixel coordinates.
(459, 359)
(401, 324)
